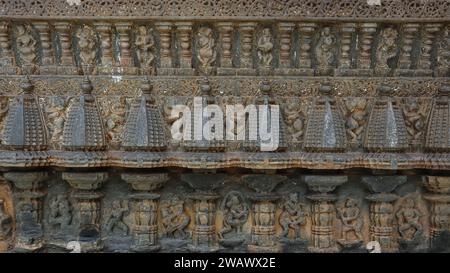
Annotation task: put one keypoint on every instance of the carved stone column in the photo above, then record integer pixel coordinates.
(345, 67)
(184, 31)
(126, 61)
(225, 40)
(204, 237)
(323, 211)
(105, 31)
(263, 208)
(405, 59)
(145, 209)
(87, 209)
(67, 61)
(165, 34)
(286, 65)
(382, 209)
(428, 39)
(439, 198)
(48, 54)
(306, 31)
(365, 46)
(29, 195)
(246, 31)
(7, 61)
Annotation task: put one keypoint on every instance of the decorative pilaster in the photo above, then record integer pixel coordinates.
(439, 198)
(87, 199)
(428, 39)
(126, 61)
(365, 47)
(306, 31)
(246, 31)
(405, 59)
(382, 209)
(286, 64)
(48, 54)
(184, 31)
(29, 194)
(323, 211)
(225, 39)
(67, 62)
(145, 209)
(105, 31)
(345, 65)
(165, 34)
(204, 198)
(263, 208)
(7, 61)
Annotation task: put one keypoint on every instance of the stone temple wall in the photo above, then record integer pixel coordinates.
(88, 155)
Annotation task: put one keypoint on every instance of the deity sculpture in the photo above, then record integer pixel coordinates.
(325, 48)
(174, 218)
(443, 51)
(387, 47)
(235, 212)
(207, 53)
(145, 47)
(356, 117)
(350, 216)
(87, 44)
(414, 119)
(60, 213)
(294, 120)
(56, 116)
(114, 116)
(115, 220)
(408, 217)
(265, 48)
(26, 45)
(5, 221)
(293, 216)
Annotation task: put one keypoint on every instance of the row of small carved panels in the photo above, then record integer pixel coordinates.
(286, 86)
(225, 48)
(352, 216)
(403, 9)
(295, 115)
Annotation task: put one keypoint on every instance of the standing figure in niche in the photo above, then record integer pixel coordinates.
(206, 54)
(265, 47)
(145, 47)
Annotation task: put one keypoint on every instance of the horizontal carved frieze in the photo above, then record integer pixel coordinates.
(259, 211)
(389, 9)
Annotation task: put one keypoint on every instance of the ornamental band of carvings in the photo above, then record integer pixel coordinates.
(88, 152)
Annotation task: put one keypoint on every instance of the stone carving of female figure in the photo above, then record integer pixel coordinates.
(87, 44)
(206, 52)
(26, 45)
(265, 47)
(325, 47)
(145, 45)
(387, 47)
(235, 213)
